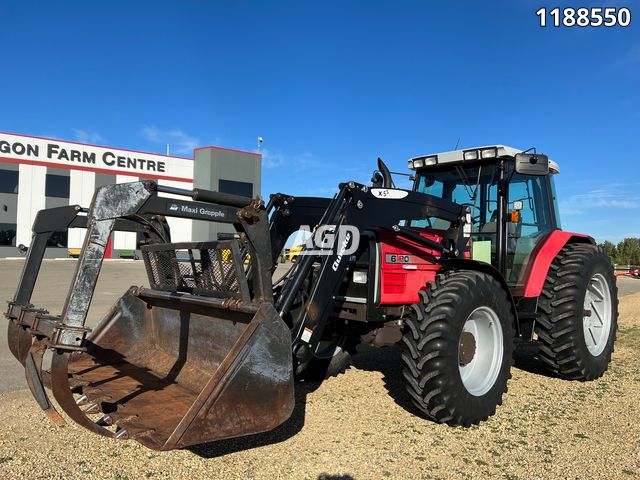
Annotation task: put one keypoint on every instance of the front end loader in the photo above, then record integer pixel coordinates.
(459, 270)
(200, 355)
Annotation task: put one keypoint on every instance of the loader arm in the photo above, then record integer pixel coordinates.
(289, 214)
(115, 203)
(363, 208)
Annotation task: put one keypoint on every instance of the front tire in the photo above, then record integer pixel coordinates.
(330, 361)
(578, 317)
(459, 348)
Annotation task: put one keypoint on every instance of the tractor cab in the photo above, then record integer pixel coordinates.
(510, 195)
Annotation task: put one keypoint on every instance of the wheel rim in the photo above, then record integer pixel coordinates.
(596, 321)
(480, 351)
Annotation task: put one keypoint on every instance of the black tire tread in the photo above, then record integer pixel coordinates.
(321, 369)
(557, 326)
(427, 350)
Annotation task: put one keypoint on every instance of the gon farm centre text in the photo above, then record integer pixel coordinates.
(54, 151)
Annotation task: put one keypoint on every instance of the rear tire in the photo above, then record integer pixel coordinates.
(459, 348)
(578, 316)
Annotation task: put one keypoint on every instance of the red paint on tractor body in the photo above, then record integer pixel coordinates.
(534, 275)
(405, 266)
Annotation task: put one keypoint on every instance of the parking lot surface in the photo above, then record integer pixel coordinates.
(359, 425)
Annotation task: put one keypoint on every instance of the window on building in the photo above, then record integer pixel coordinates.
(57, 186)
(8, 234)
(8, 181)
(237, 188)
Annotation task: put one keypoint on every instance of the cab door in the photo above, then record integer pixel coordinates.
(530, 195)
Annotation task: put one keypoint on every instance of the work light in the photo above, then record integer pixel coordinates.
(423, 162)
(359, 277)
(489, 152)
(470, 155)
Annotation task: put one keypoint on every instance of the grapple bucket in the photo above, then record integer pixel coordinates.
(187, 361)
(170, 377)
(201, 355)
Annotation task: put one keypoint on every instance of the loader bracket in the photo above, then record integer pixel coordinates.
(68, 337)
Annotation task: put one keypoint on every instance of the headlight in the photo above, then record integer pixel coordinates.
(359, 277)
(429, 161)
(470, 155)
(489, 152)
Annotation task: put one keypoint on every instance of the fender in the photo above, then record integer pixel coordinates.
(467, 264)
(535, 273)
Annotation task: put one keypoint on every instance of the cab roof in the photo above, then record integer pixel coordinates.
(473, 154)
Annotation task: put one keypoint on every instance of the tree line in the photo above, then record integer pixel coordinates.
(626, 252)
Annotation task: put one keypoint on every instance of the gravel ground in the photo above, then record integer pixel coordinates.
(359, 425)
(628, 286)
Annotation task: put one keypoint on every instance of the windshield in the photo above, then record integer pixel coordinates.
(475, 185)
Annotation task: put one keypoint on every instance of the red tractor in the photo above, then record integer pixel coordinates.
(459, 269)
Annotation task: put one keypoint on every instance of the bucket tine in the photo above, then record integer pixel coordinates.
(12, 339)
(33, 372)
(25, 340)
(19, 341)
(62, 393)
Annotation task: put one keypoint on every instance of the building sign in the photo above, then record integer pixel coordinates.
(71, 155)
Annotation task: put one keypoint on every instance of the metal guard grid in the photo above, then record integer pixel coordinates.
(215, 268)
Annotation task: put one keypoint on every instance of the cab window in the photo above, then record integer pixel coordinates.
(474, 185)
(531, 195)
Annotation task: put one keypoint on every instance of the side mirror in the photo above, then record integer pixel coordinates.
(532, 164)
